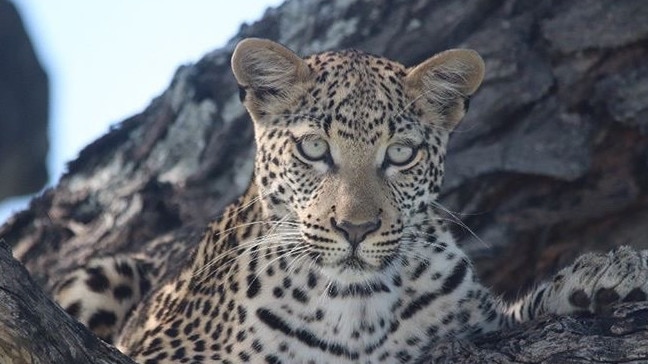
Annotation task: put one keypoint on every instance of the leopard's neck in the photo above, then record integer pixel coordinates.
(240, 221)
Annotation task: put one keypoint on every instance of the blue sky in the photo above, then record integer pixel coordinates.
(107, 59)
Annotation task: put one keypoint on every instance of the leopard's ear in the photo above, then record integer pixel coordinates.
(267, 71)
(445, 82)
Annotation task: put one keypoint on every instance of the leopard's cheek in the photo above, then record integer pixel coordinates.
(409, 195)
(302, 189)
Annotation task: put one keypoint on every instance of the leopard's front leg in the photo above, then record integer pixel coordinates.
(593, 283)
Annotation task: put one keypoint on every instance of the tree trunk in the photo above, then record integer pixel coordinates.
(551, 161)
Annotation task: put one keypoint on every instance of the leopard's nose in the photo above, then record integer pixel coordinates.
(355, 233)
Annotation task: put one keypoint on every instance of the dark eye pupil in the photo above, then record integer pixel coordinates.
(317, 147)
(399, 151)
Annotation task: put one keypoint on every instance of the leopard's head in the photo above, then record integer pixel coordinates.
(350, 147)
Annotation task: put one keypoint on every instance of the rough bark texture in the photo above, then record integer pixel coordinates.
(24, 109)
(551, 161)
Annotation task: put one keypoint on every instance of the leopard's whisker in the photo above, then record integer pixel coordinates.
(212, 268)
(293, 264)
(281, 254)
(281, 248)
(248, 247)
(456, 220)
(274, 225)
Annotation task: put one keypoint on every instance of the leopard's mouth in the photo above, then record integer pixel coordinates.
(350, 262)
(341, 259)
(354, 262)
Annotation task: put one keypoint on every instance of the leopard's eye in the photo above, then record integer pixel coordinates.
(399, 154)
(314, 149)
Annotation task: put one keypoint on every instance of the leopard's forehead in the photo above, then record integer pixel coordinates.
(356, 95)
(351, 62)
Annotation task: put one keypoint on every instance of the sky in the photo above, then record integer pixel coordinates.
(107, 59)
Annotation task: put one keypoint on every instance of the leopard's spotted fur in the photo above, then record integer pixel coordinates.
(336, 253)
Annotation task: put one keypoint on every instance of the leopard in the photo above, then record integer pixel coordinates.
(338, 251)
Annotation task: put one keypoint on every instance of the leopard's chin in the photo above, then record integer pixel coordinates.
(354, 263)
(352, 270)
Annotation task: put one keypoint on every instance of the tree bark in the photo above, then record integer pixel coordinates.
(619, 337)
(551, 160)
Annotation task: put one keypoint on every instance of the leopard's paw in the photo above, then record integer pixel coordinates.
(596, 281)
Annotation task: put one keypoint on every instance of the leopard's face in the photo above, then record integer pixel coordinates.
(349, 155)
